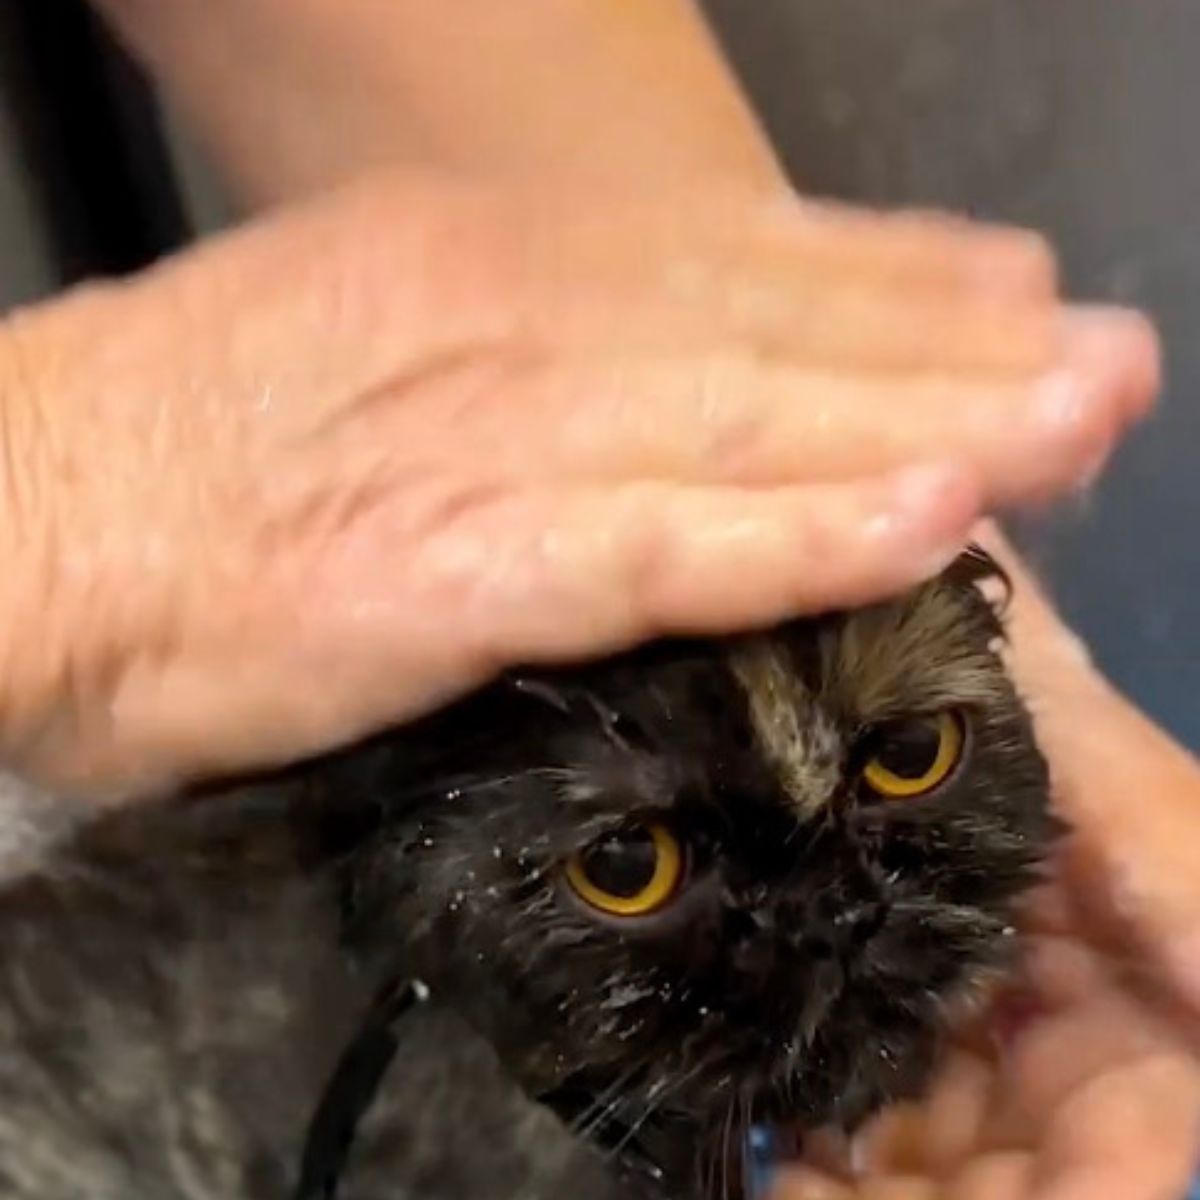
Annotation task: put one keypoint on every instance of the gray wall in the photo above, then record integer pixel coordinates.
(1069, 116)
(23, 270)
(25, 274)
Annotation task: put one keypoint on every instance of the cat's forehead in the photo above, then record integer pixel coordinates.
(933, 649)
(811, 687)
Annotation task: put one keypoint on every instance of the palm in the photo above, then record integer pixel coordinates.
(1091, 1093)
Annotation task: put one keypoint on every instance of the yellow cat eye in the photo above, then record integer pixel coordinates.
(911, 757)
(631, 872)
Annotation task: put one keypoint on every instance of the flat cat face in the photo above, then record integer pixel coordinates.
(730, 880)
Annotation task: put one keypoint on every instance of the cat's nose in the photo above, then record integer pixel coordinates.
(835, 934)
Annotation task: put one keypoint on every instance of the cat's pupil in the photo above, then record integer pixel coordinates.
(622, 864)
(909, 749)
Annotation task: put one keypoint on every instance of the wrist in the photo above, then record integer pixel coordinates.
(292, 97)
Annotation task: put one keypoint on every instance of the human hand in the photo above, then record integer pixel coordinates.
(1084, 1084)
(330, 471)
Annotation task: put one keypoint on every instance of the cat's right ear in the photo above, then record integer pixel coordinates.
(975, 568)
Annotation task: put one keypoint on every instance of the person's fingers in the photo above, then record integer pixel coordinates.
(899, 1187)
(1059, 1054)
(797, 293)
(631, 283)
(753, 423)
(783, 311)
(893, 1143)
(1060, 971)
(1130, 793)
(1000, 1175)
(906, 252)
(1131, 1134)
(932, 249)
(1120, 348)
(954, 1111)
(806, 1183)
(578, 348)
(577, 572)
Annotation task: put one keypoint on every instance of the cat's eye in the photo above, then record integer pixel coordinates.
(913, 756)
(630, 872)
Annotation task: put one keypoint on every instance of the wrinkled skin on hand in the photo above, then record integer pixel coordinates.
(1084, 1084)
(334, 468)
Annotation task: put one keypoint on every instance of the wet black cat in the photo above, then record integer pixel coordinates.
(654, 900)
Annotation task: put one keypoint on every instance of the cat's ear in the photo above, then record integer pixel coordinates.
(976, 570)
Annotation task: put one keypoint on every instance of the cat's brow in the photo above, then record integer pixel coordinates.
(793, 733)
(927, 654)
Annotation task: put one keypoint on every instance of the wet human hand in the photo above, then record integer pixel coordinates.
(1084, 1082)
(336, 468)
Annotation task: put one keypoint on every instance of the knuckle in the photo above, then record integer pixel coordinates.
(649, 554)
(729, 426)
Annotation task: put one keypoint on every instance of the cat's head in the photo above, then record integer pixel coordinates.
(734, 876)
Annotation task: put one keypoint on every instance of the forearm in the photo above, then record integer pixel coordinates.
(294, 95)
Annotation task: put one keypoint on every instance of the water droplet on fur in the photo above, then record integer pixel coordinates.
(625, 994)
(497, 852)
(427, 842)
(454, 794)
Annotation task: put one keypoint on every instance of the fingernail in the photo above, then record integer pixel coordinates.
(1119, 350)
(1064, 396)
(1073, 410)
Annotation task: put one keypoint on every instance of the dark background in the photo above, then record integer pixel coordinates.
(1072, 117)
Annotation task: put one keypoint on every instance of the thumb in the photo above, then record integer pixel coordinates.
(1129, 791)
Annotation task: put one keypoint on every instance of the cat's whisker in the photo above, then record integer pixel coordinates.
(660, 1094)
(605, 1105)
(720, 1153)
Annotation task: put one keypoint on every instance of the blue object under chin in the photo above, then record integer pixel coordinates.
(760, 1162)
(1194, 1190)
